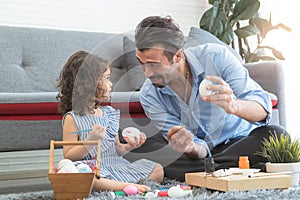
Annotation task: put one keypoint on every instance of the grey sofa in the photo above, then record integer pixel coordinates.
(30, 62)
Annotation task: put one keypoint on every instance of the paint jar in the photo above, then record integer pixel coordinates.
(209, 165)
(244, 162)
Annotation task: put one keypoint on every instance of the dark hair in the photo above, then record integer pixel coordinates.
(79, 83)
(155, 30)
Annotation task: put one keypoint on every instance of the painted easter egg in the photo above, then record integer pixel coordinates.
(83, 168)
(64, 163)
(130, 132)
(66, 166)
(68, 169)
(130, 190)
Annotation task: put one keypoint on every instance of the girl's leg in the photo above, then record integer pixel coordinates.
(157, 173)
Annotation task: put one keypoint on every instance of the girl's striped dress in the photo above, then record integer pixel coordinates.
(113, 166)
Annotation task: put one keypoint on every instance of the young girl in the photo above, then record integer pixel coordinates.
(84, 83)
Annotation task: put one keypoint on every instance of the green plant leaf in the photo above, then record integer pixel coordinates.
(275, 52)
(206, 22)
(252, 57)
(246, 31)
(218, 27)
(280, 150)
(266, 58)
(258, 55)
(211, 2)
(228, 35)
(263, 25)
(245, 9)
(215, 10)
(205, 19)
(284, 27)
(214, 21)
(228, 6)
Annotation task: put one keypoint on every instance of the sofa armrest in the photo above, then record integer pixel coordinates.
(269, 74)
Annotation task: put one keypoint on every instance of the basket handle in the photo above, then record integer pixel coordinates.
(61, 143)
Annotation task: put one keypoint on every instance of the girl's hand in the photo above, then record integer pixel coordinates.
(142, 188)
(97, 133)
(138, 141)
(123, 149)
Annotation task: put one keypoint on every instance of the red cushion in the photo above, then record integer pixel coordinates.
(48, 110)
(274, 100)
(31, 117)
(28, 108)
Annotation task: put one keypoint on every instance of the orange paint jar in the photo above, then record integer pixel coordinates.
(244, 162)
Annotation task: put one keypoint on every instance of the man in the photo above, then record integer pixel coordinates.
(230, 122)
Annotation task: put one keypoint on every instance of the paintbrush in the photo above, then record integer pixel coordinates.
(80, 131)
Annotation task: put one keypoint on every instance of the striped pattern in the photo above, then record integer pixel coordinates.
(113, 166)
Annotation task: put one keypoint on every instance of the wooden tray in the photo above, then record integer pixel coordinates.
(238, 182)
(72, 185)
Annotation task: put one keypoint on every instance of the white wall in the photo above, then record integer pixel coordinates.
(286, 12)
(115, 16)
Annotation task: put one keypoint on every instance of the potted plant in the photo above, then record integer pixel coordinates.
(225, 19)
(283, 154)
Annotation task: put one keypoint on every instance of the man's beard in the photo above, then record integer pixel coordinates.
(157, 84)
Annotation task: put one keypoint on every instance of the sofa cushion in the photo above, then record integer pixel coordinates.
(270, 75)
(199, 36)
(34, 56)
(135, 73)
(127, 75)
(11, 51)
(12, 74)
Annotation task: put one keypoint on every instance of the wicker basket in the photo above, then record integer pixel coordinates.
(72, 185)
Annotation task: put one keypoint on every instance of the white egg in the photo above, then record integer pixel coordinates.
(202, 88)
(150, 195)
(112, 195)
(176, 192)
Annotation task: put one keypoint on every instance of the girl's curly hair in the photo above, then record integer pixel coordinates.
(79, 83)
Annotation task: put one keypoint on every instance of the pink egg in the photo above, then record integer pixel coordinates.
(130, 190)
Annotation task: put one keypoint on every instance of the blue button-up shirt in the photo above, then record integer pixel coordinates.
(210, 124)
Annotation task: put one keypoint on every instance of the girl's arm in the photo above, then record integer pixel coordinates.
(78, 152)
(104, 184)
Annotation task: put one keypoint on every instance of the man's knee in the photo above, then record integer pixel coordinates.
(266, 131)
